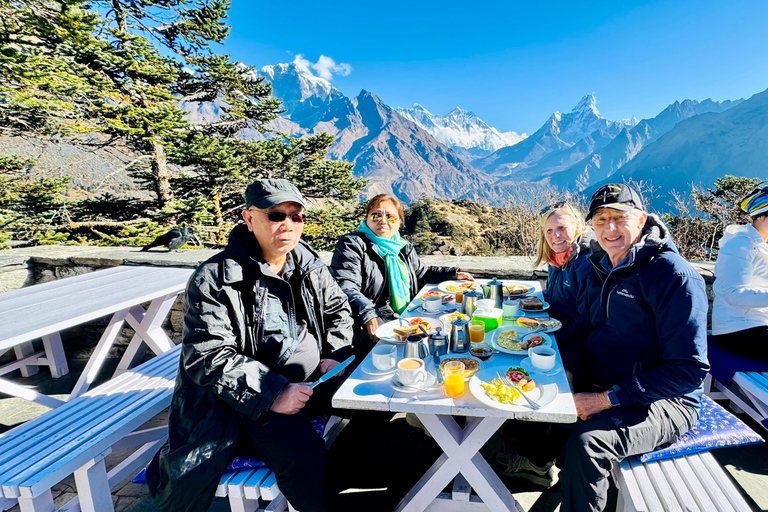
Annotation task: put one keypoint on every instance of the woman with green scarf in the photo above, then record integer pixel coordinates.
(379, 271)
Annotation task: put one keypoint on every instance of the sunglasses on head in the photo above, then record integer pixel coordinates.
(555, 206)
(297, 218)
(376, 217)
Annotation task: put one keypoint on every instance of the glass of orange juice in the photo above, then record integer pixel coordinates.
(476, 333)
(459, 297)
(454, 378)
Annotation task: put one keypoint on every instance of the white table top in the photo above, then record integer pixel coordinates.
(363, 391)
(35, 311)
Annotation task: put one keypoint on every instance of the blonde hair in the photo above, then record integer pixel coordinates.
(544, 251)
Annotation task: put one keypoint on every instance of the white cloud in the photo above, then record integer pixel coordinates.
(325, 67)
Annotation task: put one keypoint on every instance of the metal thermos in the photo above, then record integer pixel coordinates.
(415, 347)
(496, 292)
(459, 335)
(468, 306)
(438, 342)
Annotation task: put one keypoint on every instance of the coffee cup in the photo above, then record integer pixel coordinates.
(411, 371)
(542, 358)
(384, 357)
(510, 309)
(433, 304)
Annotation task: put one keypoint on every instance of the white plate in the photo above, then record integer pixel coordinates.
(527, 366)
(367, 367)
(443, 287)
(445, 308)
(451, 356)
(543, 394)
(544, 308)
(523, 332)
(386, 331)
(446, 321)
(557, 326)
(509, 284)
(431, 380)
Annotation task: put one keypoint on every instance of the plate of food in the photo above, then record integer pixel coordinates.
(396, 331)
(450, 317)
(491, 391)
(533, 305)
(516, 290)
(458, 286)
(549, 324)
(472, 365)
(513, 339)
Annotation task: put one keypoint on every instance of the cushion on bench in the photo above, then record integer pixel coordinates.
(717, 428)
(243, 463)
(726, 363)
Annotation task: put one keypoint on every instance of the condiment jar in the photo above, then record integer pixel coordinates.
(459, 335)
(438, 341)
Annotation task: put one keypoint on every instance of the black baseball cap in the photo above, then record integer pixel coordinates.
(268, 192)
(616, 197)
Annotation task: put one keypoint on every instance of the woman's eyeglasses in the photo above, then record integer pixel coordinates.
(296, 218)
(376, 217)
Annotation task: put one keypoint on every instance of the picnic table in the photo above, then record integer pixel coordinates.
(43, 310)
(461, 460)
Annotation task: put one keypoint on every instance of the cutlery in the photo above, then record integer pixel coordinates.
(505, 380)
(333, 372)
(438, 373)
(399, 384)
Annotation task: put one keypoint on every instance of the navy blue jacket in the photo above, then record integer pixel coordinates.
(565, 284)
(647, 323)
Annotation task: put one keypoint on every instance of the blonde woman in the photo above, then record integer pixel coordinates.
(564, 244)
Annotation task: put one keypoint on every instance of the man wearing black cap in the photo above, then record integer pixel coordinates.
(261, 319)
(640, 361)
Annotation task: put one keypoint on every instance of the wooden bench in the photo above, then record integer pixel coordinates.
(77, 436)
(688, 483)
(748, 393)
(245, 488)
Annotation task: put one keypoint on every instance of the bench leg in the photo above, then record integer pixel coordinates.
(23, 351)
(42, 503)
(93, 487)
(54, 352)
(242, 504)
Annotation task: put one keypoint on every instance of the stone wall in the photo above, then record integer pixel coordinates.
(31, 265)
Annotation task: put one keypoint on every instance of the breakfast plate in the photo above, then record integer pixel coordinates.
(456, 286)
(509, 338)
(543, 394)
(387, 332)
(517, 290)
(544, 307)
(464, 357)
(550, 324)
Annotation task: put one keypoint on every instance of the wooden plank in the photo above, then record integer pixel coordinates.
(444, 503)
(684, 469)
(42, 503)
(93, 488)
(461, 489)
(268, 488)
(221, 489)
(630, 496)
(251, 487)
(235, 485)
(54, 352)
(278, 504)
(23, 351)
(19, 363)
(679, 484)
(664, 488)
(651, 499)
(722, 504)
(724, 482)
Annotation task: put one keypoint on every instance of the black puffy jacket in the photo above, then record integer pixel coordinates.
(224, 375)
(362, 274)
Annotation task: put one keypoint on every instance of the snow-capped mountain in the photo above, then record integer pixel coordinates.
(559, 133)
(462, 131)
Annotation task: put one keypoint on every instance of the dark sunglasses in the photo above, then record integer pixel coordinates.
(555, 206)
(296, 218)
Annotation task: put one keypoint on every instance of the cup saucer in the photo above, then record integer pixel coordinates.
(527, 366)
(367, 367)
(416, 388)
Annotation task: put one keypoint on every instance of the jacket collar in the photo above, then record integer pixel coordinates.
(581, 245)
(243, 259)
(654, 239)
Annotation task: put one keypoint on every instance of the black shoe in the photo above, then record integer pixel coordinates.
(517, 466)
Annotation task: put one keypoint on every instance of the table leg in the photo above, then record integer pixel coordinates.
(54, 353)
(99, 354)
(22, 351)
(460, 456)
(149, 332)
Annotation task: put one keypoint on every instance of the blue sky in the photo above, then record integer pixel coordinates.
(514, 64)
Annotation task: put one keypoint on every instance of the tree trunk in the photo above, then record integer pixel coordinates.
(160, 174)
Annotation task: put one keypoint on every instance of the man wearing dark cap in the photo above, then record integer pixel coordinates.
(261, 319)
(640, 359)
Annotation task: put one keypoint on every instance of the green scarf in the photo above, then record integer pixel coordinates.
(399, 276)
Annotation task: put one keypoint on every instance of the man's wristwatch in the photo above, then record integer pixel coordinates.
(613, 399)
